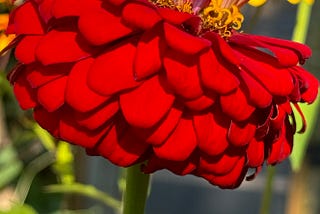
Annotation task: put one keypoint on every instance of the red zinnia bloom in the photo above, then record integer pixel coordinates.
(165, 82)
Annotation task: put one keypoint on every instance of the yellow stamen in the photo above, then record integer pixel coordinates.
(180, 5)
(184, 6)
(164, 3)
(222, 20)
(220, 16)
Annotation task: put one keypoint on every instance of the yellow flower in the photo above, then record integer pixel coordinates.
(4, 39)
(298, 1)
(257, 3)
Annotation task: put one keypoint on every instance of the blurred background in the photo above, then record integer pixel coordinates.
(38, 175)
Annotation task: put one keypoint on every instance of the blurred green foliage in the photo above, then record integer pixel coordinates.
(9, 157)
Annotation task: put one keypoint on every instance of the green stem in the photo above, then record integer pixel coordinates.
(136, 191)
(303, 19)
(267, 194)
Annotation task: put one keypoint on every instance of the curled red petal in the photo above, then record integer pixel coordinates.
(280, 113)
(177, 167)
(112, 71)
(281, 148)
(221, 47)
(48, 120)
(157, 134)
(99, 116)
(201, 103)
(45, 10)
(219, 165)
(117, 2)
(289, 53)
(140, 15)
(231, 180)
(211, 130)
(25, 95)
(78, 95)
(25, 20)
(255, 153)
(64, 47)
(148, 58)
(25, 50)
(214, 75)
(173, 16)
(73, 133)
(51, 95)
(146, 105)
(258, 95)
(182, 75)
(38, 75)
(121, 147)
(98, 33)
(187, 43)
(236, 105)
(277, 80)
(64, 8)
(241, 133)
(180, 144)
(309, 88)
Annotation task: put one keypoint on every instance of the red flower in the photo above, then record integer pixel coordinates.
(166, 83)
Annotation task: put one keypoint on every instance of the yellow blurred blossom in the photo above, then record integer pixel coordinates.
(4, 39)
(298, 1)
(257, 3)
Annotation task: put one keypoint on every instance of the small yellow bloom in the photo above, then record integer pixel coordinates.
(4, 39)
(257, 3)
(4, 19)
(298, 1)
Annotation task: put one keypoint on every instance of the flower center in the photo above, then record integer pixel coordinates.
(221, 16)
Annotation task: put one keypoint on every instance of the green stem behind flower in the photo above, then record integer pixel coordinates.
(136, 191)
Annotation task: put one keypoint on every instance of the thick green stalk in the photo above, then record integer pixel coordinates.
(136, 191)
